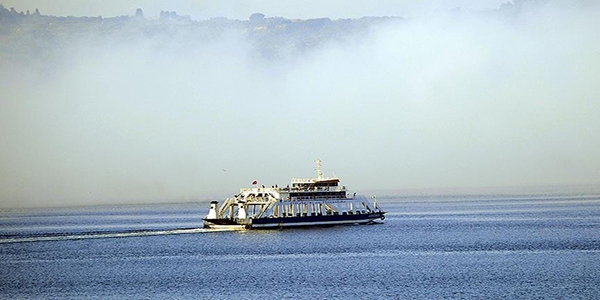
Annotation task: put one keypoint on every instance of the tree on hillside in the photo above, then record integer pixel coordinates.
(256, 17)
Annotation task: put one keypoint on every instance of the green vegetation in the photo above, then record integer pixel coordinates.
(25, 35)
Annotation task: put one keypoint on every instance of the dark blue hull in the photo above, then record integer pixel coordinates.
(323, 220)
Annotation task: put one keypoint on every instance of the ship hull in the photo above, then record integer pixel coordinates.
(304, 221)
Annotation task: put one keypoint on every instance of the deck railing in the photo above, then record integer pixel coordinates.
(294, 189)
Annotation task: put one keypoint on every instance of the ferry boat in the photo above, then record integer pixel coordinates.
(316, 201)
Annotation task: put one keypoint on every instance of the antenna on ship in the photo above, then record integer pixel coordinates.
(318, 168)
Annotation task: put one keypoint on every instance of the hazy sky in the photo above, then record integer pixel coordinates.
(439, 101)
(242, 9)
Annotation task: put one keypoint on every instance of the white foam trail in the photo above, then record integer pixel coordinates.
(108, 235)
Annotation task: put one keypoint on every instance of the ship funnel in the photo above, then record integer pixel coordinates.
(212, 212)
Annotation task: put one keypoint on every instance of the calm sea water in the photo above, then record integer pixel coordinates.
(428, 248)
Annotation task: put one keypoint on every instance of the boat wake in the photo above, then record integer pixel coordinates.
(105, 235)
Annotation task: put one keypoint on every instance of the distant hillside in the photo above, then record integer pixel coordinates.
(32, 35)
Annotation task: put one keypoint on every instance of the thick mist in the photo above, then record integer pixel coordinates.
(451, 100)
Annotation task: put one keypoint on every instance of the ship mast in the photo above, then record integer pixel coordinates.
(318, 168)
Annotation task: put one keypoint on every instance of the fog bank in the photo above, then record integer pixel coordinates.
(449, 100)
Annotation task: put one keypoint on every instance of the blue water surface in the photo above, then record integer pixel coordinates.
(430, 248)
